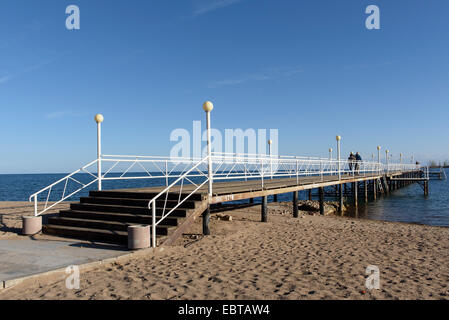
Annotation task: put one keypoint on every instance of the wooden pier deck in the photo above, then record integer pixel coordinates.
(224, 191)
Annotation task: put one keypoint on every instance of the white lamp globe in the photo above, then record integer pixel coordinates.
(208, 106)
(99, 118)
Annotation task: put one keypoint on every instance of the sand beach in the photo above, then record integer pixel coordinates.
(312, 257)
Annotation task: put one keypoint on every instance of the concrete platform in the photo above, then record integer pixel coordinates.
(21, 258)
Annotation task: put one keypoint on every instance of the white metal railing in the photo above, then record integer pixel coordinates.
(225, 166)
(114, 168)
(179, 183)
(63, 183)
(228, 166)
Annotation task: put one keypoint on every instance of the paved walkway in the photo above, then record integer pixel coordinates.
(24, 257)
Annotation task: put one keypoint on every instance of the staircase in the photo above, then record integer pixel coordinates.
(104, 216)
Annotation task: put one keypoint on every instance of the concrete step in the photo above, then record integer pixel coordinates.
(125, 209)
(188, 204)
(143, 195)
(104, 216)
(101, 224)
(118, 217)
(97, 235)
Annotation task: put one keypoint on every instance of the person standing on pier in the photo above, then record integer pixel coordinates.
(358, 162)
(351, 162)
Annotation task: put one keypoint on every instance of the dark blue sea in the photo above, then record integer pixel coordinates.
(404, 205)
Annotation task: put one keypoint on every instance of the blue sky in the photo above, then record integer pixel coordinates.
(308, 68)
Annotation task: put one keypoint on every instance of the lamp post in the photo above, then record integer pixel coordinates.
(338, 138)
(386, 158)
(208, 107)
(400, 158)
(378, 156)
(99, 119)
(330, 154)
(271, 161)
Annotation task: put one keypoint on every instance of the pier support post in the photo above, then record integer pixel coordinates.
(374, 189)
(340, 198)
(251, 200)
(310, 194)
(206, 219)
(386, 185)
(264, 212)
(355, 191)
(426, 188)
(295, 204)
(275, 198)
(321, 192)
(365, 189)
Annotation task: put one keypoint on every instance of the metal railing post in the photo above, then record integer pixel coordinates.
(297, 172)
(321, 169)
(271, 159)
(338, 157)
(35, 205)
(244, 165)
(166, 173)
(153, 229)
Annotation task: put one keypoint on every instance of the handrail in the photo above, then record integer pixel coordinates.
(152, 202)
(225, 166)
(62, 179)
(151, 157)
(161, 171)
(260, 155)
(64, 197)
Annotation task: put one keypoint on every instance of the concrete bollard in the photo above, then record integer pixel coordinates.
(138, 237)
(31, 225)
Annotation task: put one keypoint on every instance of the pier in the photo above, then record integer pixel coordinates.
(189, 187)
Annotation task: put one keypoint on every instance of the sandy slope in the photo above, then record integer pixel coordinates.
(312, 257)
(11, 213)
